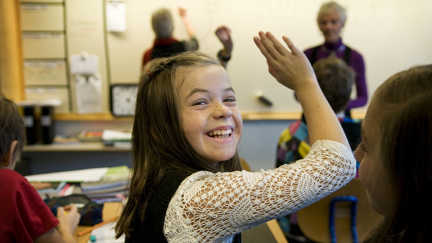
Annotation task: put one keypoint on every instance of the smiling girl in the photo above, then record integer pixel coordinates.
(187, 185)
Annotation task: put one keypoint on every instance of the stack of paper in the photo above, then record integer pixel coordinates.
(85, 175)
(106, 184)
(117, 138)
(113, 186)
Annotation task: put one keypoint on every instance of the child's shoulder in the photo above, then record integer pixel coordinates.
(7, 174)
(13, 180)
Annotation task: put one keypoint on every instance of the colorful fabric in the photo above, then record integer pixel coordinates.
(292, 144)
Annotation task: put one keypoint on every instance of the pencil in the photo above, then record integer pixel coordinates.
(89, 230)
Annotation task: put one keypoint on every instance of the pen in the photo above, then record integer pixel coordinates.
(86, 231)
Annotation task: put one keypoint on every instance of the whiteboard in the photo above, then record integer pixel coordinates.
(392, 35)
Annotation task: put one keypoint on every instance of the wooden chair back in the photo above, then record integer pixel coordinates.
(314, 220)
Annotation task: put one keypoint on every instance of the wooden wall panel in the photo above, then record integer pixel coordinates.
(11, 62)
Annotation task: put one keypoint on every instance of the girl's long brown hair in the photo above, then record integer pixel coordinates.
(406, 125)
(158, 138)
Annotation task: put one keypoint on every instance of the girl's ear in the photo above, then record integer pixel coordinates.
(10, 156)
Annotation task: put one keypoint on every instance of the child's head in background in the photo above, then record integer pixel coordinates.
(11, 133)
(395, 153)
(162, 23)
(187, 115)
(335, 79)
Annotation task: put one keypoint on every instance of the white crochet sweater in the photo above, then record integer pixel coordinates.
(212, 207)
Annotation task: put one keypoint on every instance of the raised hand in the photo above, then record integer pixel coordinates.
(223, 33)
(290, 67)
(293, 70)
(182, 12)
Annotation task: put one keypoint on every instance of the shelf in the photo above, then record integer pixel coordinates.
(89, 117)
(78, 147)
(247, 116)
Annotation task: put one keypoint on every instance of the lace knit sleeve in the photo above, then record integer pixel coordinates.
(214, 206)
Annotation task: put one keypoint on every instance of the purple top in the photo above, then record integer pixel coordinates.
(356, 62)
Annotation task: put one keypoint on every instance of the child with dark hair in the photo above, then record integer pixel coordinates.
(335, 79)
(396, 158)
(187, 185)
(24, 216)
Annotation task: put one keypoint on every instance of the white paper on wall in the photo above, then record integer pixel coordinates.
(84, 64)
(116, 16)
(88, 93)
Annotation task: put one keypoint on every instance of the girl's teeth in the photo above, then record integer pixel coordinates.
(220, 133)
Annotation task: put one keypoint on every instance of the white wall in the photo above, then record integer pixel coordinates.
(391, 34)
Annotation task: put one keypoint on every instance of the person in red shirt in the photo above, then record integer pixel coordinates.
(165, 45)
(24, 216)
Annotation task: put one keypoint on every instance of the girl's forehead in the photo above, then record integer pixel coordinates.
(181, 75)
(198, 74)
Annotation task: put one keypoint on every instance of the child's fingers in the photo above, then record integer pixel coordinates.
(269, 46)
(260, 46)
(72, 208)
(182, 11)
(270, 60)
(277, 45)
(67, 207)
(291, 46)
(60, 210)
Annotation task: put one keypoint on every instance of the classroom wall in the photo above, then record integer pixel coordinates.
(391, 34)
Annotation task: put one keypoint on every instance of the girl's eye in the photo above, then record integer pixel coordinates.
(199, 102)
(230, 99)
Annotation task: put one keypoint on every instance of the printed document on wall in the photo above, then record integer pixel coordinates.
(88, 93)
(84, 63)
(116, 16)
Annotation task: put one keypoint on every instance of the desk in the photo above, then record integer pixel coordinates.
(110, 211)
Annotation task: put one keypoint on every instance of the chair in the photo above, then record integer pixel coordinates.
(314, 220)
